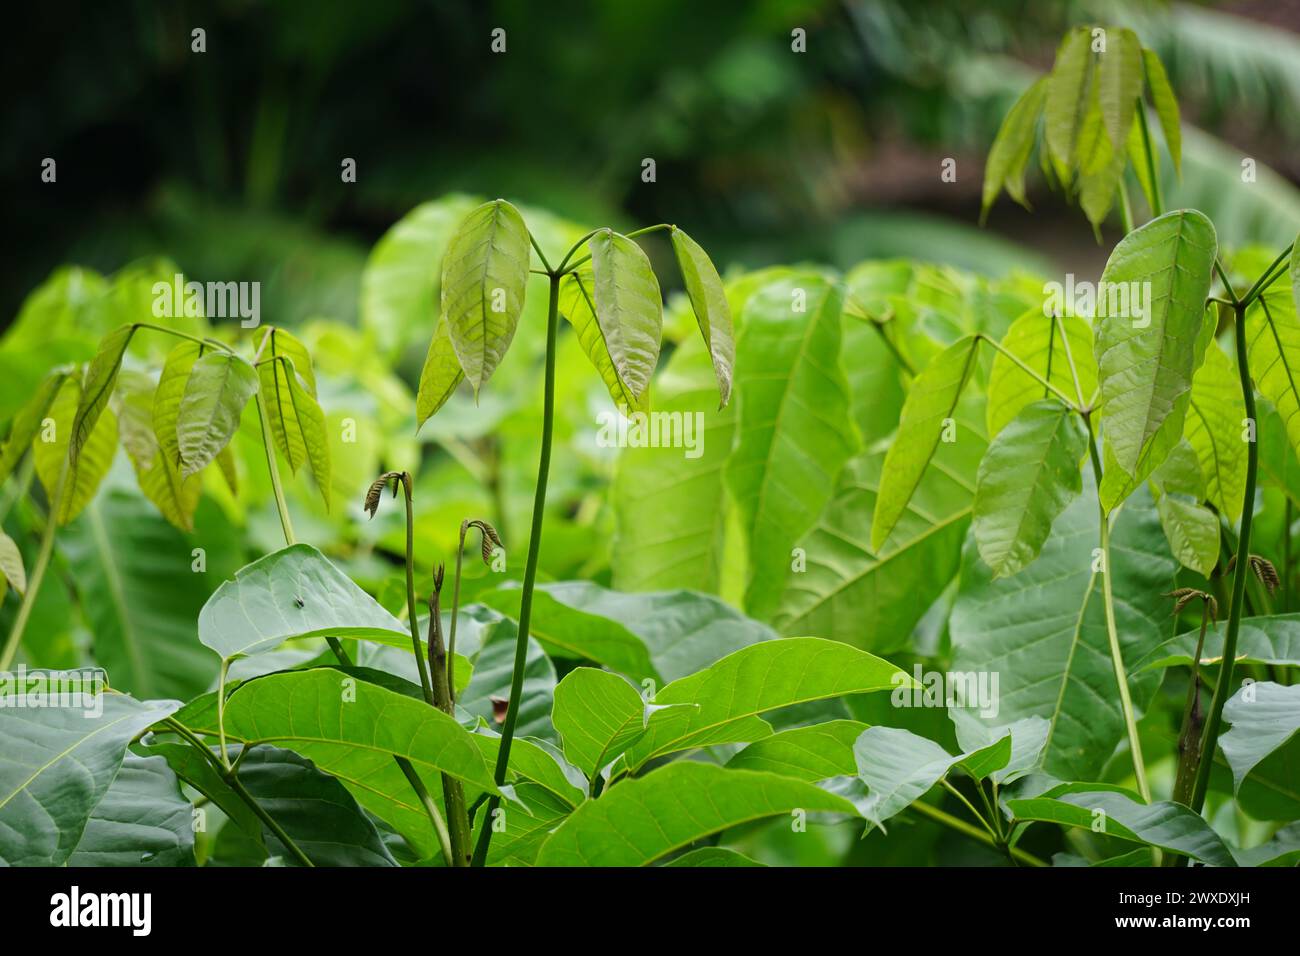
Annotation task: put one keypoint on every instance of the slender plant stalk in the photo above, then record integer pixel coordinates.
(455, 611)
(1272, 273)
(530, 572)
(1017, 360)
(15, 638)
(1223, 687)
(1286, 558)
(924, 809)
(1112, 632)
(453, 792)
(412, 621)
(1189, 737)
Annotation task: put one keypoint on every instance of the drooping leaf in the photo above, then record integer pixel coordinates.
(1100, 164)
(929, 407)
(219, 386)
(598, 715)
(814, 753)
(727, 698)
(97, 386)
(1042, 634)
(1068, 88)
(1036, 340)
(1119, 81)
(51, 457)
(1010, 151)
(1167, 825)
(1264, 717)
(1273, 353)
(1166, 104)
(1192, 532)
(57, 764)
(795, 430)
(1029, 475)
(297, 421)
(134, 577)
(484, 279)
(639, 821)
(440, 375)
(712, 312)
(628, 306)
(1214, 417)
(1147, 361)
(294, 592)
(141, 821)
(27, 421)
(578, 306)
(12, 572)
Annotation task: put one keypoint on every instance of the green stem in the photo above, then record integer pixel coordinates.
(631, 235)
(974, 833)
(1156, 198)
(430, 809)
(1223, 688)
(412, 620)
(1125, 208)
(1030, 372)
(453, 792)
(1268, 277)
(455, 613)
(967, 804)
(221, 711)
(1112, 632)
(34, 580)
(530, 572)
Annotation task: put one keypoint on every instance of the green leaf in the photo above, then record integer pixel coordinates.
(727, 698)
(873, 598)
(315, 810)
(1282, 850)
(51, 457)
(1147, 362)
(440, 375)
(1036, 340)
(812, 754)
(1295, 273)
(599, 715)
(1274, 640)
(1119, 82)
(58, 763)
(484, 279)
(142, 820)
(713, 856)
(297, 421)
(712, 312)
(133, 576)
(568, 632)
(167, 396)
(492, 652)
(219, 386)
(526, 831)
(1166, 104)
(97, 386)
(294, 592)
(1010, 151)
(930, 405)
(1264, 717)
(1042, 634)
(1101, 165)
(1170, 826)
(12, 572)
(1029, 475)
(27, 421)
(981, 743)
(796, 428)
(577, 305)
(1068, 88)
(1192, 531)
(1273, 352)
(1214, 417)
(629, 310)
(639, 821)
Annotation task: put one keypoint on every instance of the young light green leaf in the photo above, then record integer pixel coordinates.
(1295, 274)
(440, 375)
(1166, 104)
(97, 386)
(629, 309)
(926, 413)
(639, 821)
(297, 421)
(1273, 352)
(1192, 531)
(484, 279)
(51, 457)
(294, 592)
(814, 753)
(578, 305)
(1213, 428)
(1148, 352)
(796, 427)
(1101, 165)
(219, 386)
(27, 421)
(1068, 88)
(1119, 82)
(599, 715)
(1010, 151)
(1027, 478)
(1036, 340)
(726, 699)
(57, 764)
(1264, 716)
(712, 312)
(12, 573)
(1167, 825)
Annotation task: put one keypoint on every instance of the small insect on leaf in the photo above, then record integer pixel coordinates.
(298, 602)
